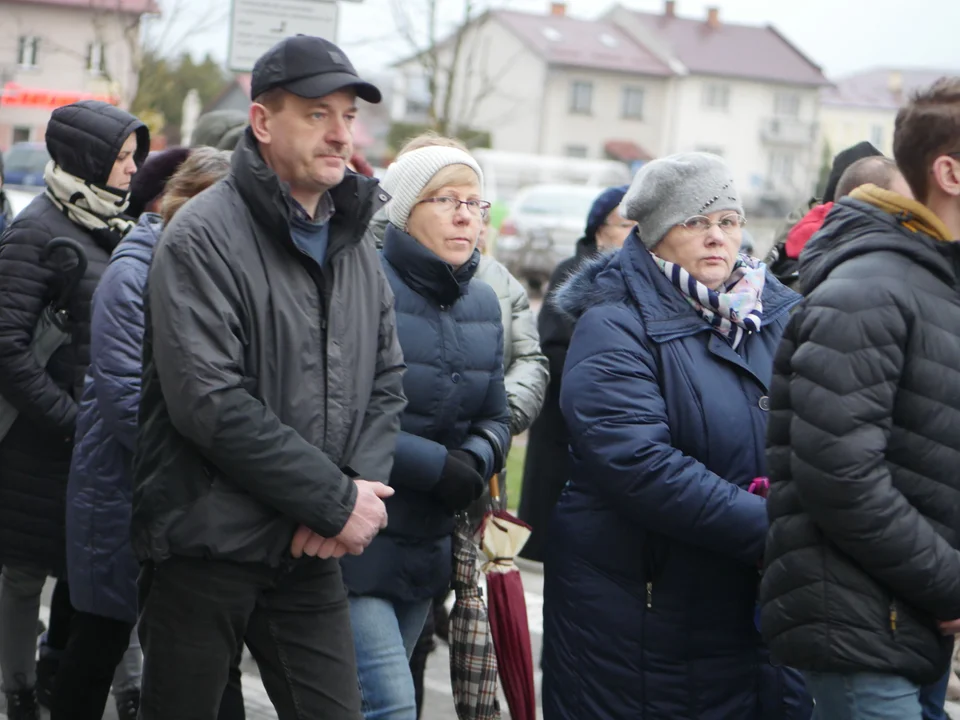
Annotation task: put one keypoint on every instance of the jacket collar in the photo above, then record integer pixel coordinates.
(911, 214)
(666, 313)
(356, 198)
(423, 271)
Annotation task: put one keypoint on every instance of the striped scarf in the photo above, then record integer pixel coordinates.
(736, 310)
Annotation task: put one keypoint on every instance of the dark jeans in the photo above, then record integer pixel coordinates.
(94, 650)
(196, 615)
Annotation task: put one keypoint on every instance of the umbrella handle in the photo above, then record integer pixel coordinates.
(495, 489)
(75, 274)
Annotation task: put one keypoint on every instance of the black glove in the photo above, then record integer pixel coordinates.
(460, 483)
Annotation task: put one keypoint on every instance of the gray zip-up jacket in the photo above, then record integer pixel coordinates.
(526, 370)
(269, 382)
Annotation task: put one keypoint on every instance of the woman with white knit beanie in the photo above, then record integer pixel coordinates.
(455, 428)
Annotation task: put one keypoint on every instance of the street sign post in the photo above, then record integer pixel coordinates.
(258, 25)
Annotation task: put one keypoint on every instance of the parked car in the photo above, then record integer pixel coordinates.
(24, 163)
(542, 228)
(20, 197)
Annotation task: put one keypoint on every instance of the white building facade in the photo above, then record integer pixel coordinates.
(634, 86)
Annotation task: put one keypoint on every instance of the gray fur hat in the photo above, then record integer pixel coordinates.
(666, 192)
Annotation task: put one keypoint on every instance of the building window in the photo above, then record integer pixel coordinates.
(716, 96)
(96, 64)
(632, 103)
(581, 97)
(575, 151)
(876, 136)
(787, 104)
(21, 134)
(27, 51)
(418, 98)
(781, 168)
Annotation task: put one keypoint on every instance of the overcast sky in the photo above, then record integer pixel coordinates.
(842, 36)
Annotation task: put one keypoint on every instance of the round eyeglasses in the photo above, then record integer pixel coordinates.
(477, 208)
(728, 224)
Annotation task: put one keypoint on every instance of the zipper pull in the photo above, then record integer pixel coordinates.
(893, 617)
(649, 594)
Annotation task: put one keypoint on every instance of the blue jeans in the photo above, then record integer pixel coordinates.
(385, 633)
(873, 696)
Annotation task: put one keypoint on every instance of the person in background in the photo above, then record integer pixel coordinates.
(270, 406)
(802, 223)
(96, 149)
(100, 562)
(547, 467)
(358, 163)
(455, 430)
(652, 556)
(861, 589)
(146, 190)
(221, 129)
(6, 210)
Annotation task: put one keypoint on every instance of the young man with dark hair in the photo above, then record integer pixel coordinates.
(862, 583)
(271, 401)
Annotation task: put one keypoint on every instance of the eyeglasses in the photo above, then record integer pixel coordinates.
(701, 224)
(477, 208)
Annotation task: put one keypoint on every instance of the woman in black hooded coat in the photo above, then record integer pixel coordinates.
(547, 466)
(95, 150)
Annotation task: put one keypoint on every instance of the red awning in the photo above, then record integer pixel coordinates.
(626, 151)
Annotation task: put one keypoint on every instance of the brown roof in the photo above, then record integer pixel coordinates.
(595, 44)
(730, 50)
(878, 89)
(126, 6)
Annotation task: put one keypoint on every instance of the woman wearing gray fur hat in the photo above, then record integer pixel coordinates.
(652, 558)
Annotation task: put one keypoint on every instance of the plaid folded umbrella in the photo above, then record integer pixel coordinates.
(473, 662)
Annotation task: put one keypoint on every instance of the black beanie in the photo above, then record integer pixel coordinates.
(844, 160)
(148, 184)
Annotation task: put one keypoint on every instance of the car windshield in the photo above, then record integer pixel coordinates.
(574, 203)
(26, 159)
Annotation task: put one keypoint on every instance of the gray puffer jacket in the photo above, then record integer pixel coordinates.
(525, 366)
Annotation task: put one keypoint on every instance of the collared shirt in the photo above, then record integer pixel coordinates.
(311, 235)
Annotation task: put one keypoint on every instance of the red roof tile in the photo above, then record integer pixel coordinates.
(595, 44)
(731, 50)
(877, 89)
(126, 6)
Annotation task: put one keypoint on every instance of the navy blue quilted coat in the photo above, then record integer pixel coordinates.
(451, 333)
(100, 562)
(652, 554)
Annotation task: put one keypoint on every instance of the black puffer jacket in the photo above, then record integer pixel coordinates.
(547, 466)
(35, 455)
(863, 446)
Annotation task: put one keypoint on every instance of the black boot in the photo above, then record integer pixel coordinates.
(47, 667)
(22, 705)
(128, 704)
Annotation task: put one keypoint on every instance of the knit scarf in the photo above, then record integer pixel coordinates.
(94, 208)
(733, 312)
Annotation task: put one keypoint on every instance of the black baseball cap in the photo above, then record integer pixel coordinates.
(310, 67)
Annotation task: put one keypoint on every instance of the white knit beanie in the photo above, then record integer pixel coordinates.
(406, 178)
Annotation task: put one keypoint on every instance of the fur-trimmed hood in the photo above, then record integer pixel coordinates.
(632, 274)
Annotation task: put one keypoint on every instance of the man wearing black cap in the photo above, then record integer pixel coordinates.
(270, 406)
